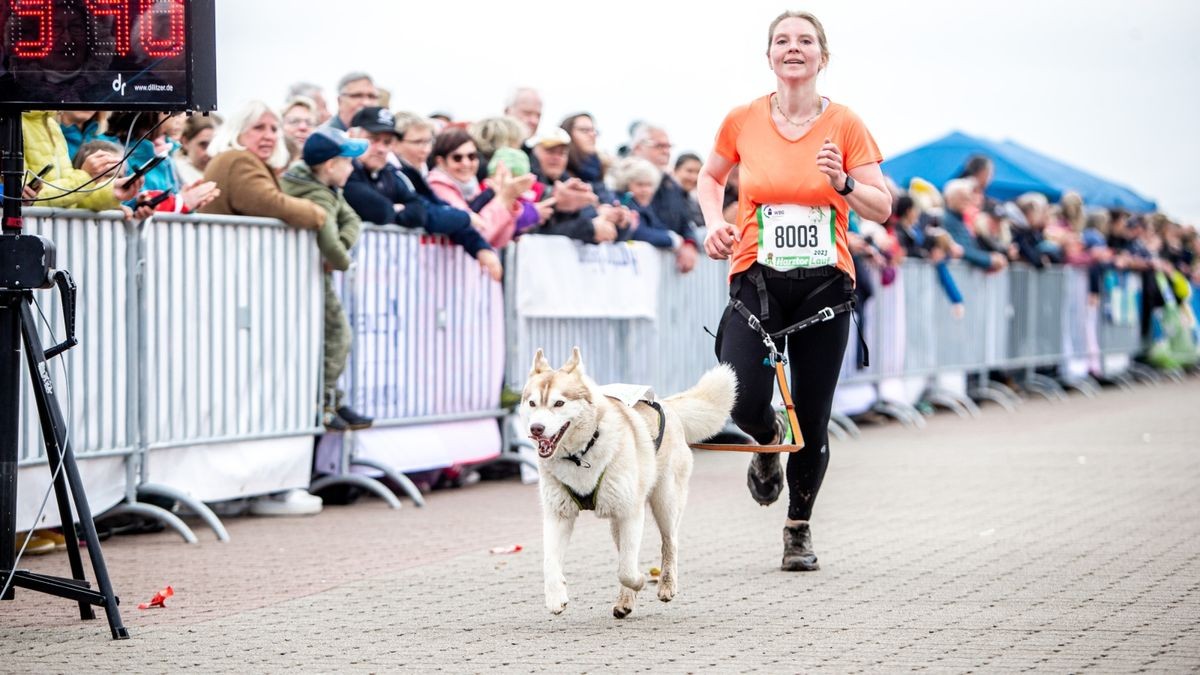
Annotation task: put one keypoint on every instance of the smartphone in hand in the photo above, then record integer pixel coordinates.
(36, 183)
(143, 170)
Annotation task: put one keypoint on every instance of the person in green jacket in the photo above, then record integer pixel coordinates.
(319, 176)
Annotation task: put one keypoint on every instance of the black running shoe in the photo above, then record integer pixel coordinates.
(353, 419)
(798, 553)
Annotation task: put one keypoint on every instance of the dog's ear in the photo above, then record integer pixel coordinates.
(574, 362)
(540, 364)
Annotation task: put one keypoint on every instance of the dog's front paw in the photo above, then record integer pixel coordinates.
(556, 599)
(667, 588)
(624, 604)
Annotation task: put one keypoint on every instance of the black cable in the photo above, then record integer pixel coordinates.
(128, 153)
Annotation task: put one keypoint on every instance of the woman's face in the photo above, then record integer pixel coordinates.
(197, 148)
(298, 123)
(462, 163)
(642, 191)
(688, 174)
(795, 52)
(261, 137)
(583, 135)
(416, 145)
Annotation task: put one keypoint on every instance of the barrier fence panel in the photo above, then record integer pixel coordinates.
(687, 304)
(231, 334)
(233, 329)
(428, 329)
(93, 381)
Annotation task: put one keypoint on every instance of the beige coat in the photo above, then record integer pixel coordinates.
(249, 188)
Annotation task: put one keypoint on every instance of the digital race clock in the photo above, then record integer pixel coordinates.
(108, 55)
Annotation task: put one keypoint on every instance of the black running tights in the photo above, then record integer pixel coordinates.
(815, 360)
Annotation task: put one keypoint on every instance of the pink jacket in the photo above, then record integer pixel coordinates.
(499, 222)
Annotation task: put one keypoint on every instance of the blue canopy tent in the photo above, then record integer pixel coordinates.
(1018, 170)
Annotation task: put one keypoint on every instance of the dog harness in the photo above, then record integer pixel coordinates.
(775, 357)
(588, 502)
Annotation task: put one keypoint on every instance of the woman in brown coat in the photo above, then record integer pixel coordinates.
(245, 152)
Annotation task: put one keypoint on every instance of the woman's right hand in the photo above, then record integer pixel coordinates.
(720, 240)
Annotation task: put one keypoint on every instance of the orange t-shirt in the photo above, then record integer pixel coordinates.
(774, 170)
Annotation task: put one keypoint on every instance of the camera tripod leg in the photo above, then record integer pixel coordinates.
(53, 431)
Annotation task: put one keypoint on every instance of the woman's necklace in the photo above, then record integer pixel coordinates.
(789, 120)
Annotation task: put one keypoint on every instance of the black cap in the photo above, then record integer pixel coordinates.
(375, 120)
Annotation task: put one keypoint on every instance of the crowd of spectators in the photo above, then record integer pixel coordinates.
(483, 183)
(961, 222)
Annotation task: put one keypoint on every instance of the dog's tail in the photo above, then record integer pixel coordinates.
(704, 408)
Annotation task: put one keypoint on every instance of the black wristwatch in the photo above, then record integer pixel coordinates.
(848, 187)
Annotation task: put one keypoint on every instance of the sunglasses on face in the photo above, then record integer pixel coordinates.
(464, 157)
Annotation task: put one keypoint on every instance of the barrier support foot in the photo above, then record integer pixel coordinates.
(1045, 386)
(961, 405)
(365, 482)
(1143, 373)
(1087, 386)
(151, 511)
(837, 431)
(1000, 397)
(846, 423)
(194, 505)
(398, 478)
(902, 412)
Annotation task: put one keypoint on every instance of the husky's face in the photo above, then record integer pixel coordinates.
(555, 402)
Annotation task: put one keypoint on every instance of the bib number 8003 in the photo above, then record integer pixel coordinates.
(791, 236)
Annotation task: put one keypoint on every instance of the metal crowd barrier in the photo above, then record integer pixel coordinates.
(200, 340)
(1023, 320)
(428, 353)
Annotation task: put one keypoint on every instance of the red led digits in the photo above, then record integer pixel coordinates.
(119, 10)
(42, 12)
(153, 11)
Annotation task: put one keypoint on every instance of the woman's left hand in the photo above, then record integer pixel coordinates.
(829, 161)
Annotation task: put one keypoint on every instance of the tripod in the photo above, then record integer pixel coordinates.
(26, 263)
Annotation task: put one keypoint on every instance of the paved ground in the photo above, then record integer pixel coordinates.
(1063, 537)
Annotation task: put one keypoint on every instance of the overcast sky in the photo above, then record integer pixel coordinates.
(1112, 87)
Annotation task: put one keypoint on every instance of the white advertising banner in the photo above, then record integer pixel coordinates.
(559, 277)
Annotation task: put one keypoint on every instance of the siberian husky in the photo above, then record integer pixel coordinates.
(599, 453)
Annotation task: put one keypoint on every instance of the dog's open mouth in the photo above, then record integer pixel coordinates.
(546, 444)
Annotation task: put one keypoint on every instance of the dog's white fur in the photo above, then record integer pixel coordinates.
(624, 452)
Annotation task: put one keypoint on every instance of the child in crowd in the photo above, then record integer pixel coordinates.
(319, 176)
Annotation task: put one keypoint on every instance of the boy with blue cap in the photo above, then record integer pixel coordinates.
(319, 176)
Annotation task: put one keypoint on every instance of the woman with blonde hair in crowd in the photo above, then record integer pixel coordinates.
(299, 118)
(246, 152)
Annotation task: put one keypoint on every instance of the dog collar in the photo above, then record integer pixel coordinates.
(578, 459)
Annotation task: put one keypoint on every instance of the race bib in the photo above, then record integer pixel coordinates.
(792, 236)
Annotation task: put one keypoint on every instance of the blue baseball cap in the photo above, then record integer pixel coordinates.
(325, 143)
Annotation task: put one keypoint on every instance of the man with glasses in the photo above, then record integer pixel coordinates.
(355, 92)
(382, 194)
(670, 202)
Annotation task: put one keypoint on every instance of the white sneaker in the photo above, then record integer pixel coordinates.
(289, 503)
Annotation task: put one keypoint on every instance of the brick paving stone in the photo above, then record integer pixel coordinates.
(1062, 537)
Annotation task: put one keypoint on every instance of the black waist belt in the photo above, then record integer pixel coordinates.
(756, 274)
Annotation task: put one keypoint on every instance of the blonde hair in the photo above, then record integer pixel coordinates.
(807, 16)
(406, 121)
(226, 135)
(492, 133)
(630, 169)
